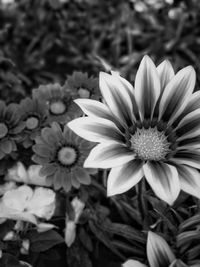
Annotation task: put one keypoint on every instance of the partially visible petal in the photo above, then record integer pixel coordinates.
(158, 251)
(133, 263)
(189, 180)
(163, 179)
(96, 109)
(96, 130)
(165, 72)
(189, 126)
(116, 96)
(147, 87)
(176, 94)
(187, 157)
(109, 155)
(179, 263)
(189, 144)
(124, 177)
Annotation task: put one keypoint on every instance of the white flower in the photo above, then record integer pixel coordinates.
(20, 174)
(150, 130)
(27, 204)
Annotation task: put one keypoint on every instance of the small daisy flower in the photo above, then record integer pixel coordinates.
(10, 128)
(27, 204)
(86, 87)
(159, 254)
(61, 154)
(34, 115)
(151, 130)
(59, 101)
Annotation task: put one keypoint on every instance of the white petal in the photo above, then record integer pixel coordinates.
(187, 157)
(177, 94)
(96, 129)
(18, 198)
(108, 155)
(163, 179)
(133, 263)
(117, 96)
(189, 180)
(165, 72)
(147, 87)
(189, 126)
(124, 177)
(158, 251)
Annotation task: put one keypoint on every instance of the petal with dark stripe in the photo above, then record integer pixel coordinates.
(116, 96)
(158, 251)
(189, 180)
(109, 155)
(176, 94)
(124, 177)
(96, 129)
(163, 179)
(187, 157)
(147, 87)
(166, 73)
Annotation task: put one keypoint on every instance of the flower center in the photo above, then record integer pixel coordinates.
(83, 93)
(32, 123)
(67, 155)
(3, 130)
(150, 144)
(57, 107)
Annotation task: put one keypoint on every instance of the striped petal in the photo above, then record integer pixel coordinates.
(166, 73)
(176, 94)
(133, 263)
(117, 97)
(158, 251)
(189, 144)
(189, 126)
(163, 179)
(147, 87)
(96, 130)
(187, 157)
(108, 155)
(124, 177)
(96, 109)
(189, 180)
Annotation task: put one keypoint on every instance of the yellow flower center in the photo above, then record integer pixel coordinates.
(57, 107)
(83, 93)
(67, 155)
(3, 130)
(32, 123)
(150, 144)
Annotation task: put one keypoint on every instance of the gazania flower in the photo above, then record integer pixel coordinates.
(159, 254)
(151, 130)
(61, 154)
(59, 102)
(84, 86)
(27, 204)
(10, 127)
(34, 115)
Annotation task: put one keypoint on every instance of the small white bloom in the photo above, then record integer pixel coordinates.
(6, 187)
(10, 236)
(78, 207)
(43, 227)
(20, 174)
(27, 204)
(70, 233)
(25, 247)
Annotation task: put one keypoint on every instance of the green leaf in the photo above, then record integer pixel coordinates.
(44, 241)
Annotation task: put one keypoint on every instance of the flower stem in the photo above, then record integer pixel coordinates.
(142, 203)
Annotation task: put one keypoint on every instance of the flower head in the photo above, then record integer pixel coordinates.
(27, 204)
(58, 101)
(61, 154)
(159, 254)
(84, 86)
(10, 127)
(150, 130)
(34, 115)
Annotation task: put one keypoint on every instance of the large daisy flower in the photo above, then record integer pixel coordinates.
(61, 154)
(159, 254)
(59, 102)
(34, 115)
(10, 127)
(85, 86)
(150, 130)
